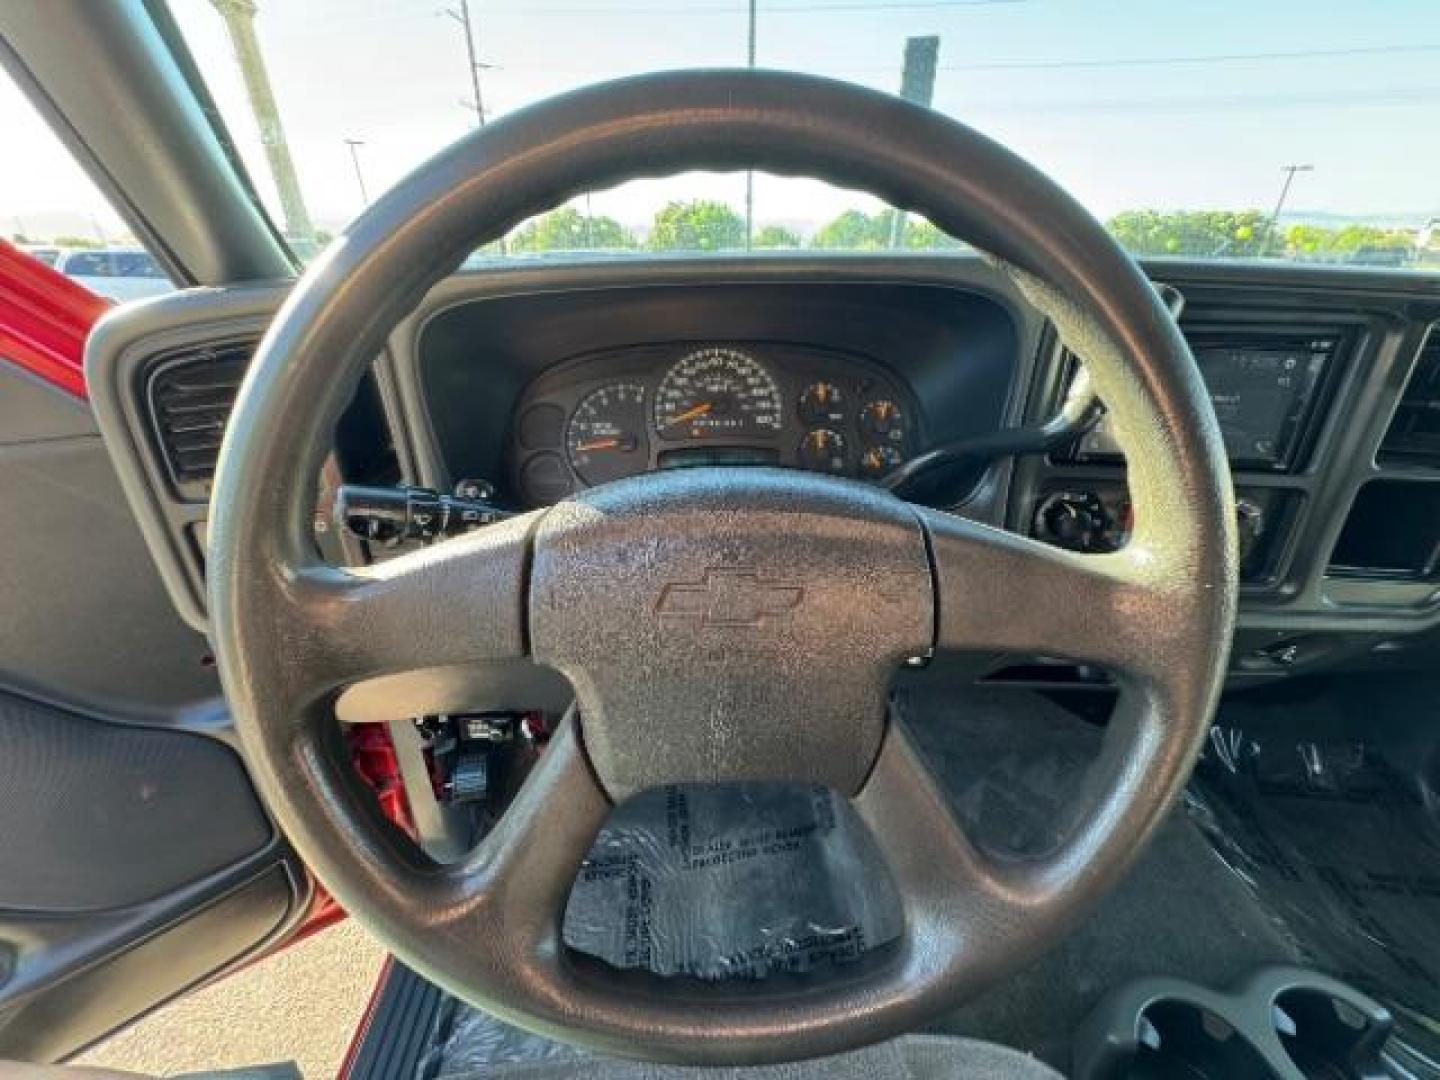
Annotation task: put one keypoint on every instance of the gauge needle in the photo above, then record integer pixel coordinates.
(690, 414)
(597, 444)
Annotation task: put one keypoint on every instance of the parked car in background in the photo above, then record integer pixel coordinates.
(115, 273)
(1382, 255)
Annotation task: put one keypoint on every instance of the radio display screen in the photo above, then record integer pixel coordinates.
(1263, 394)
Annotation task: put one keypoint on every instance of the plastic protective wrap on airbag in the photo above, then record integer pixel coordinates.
(731, 881)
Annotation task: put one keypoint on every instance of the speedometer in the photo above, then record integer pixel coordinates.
(715, 394)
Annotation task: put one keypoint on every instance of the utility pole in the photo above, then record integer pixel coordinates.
(750, 173)
(239, 16)
(354, 145)
(462, 16)
(917, 84)
(1289, 171)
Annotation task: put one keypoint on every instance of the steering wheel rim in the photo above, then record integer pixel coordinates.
(289, 631)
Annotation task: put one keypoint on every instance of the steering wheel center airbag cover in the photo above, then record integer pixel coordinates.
(736, 624)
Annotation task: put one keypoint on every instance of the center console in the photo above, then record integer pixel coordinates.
(1337, 489)
(1270, 386)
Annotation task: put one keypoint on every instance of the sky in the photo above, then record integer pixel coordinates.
(1127, 103)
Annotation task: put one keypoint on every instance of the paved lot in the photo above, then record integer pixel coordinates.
(300, 1006)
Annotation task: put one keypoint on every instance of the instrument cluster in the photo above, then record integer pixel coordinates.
(611, 415)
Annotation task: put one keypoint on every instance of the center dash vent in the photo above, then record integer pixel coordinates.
(1414, 435)
(190, 395)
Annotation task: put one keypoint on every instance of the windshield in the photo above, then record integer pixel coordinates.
(1226, 130)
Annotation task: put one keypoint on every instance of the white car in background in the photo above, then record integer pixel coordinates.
(115, 273)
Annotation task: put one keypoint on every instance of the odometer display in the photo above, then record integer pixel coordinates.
(718, 394)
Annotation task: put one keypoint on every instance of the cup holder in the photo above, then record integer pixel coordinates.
(1179, 1039)
(1284, 1023)
(1327, 1036)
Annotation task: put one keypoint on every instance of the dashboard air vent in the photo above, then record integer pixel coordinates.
(1414, 435)
(190, 395)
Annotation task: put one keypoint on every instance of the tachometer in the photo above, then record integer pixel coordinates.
(715, 394)
(606, 434)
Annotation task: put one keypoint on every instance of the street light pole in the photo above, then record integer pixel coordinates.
(239, 16)
(354, 145)
(463, 18)
(917, 84)
(750, 173)
(1289, 171)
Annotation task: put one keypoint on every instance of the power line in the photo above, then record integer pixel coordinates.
(1402, 97)
(832, 6)
(362, 19)
(989, 108)
(1115, 62)
(1204, 58)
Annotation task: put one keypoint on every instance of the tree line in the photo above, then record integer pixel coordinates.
(710, 225)
(1251, 233)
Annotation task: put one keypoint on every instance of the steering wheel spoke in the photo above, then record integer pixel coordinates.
(1000, 592)
(510, 893)
(458, 602)
(953, 892)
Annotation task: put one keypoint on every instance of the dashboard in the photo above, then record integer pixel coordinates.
(529, 383)
(553, 391)
(675, 405)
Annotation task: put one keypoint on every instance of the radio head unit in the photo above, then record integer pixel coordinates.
(1265, 388)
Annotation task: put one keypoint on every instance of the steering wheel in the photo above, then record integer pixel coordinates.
(719, 624)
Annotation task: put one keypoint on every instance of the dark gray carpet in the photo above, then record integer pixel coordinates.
(1010, 761)
(913, 1057)
(1324, 802)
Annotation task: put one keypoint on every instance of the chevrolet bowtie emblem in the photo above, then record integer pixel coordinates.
(728, 596)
